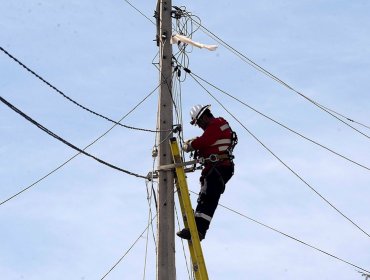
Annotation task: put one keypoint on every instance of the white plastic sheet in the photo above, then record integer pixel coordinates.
(180, 38)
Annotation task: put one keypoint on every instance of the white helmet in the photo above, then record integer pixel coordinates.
(196, 112)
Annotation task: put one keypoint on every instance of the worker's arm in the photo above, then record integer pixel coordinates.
(208, 138)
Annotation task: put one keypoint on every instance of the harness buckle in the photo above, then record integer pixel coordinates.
(213, 158)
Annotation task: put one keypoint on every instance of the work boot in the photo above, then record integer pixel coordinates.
(185, 234)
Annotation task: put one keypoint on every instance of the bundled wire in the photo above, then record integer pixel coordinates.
(72, 100)
(77, 154)
(184, 26)
(15, 109)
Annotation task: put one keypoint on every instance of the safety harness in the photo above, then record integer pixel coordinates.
(225, 145)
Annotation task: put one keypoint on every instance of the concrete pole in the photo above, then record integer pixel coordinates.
(166, 230)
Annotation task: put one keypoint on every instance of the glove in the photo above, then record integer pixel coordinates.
(187, 146)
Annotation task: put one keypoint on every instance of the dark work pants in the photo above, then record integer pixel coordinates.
(212, 186)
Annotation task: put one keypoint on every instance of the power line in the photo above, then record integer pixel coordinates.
(339, 114)
(281, 161)
(274, 229)
(128, 250)
(150, 194)
(282, 125)
(147, 236)
(170, 89)
(183, 247)
(140, 12)
(15, 109)
(272, 76)
(286, 235)
(269, 74)
(293, 238)
(70, 99)
(70, 159)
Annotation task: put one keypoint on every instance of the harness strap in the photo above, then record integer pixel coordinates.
(216, 157)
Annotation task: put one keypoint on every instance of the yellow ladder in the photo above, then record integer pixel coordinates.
(199, 266)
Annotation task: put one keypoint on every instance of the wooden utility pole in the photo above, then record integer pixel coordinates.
(166, 223)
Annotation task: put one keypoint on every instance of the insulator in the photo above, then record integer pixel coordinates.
(154, 152)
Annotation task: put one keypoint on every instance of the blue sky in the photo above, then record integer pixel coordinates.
(79, 221)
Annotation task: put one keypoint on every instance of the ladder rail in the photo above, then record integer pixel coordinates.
(195, 248)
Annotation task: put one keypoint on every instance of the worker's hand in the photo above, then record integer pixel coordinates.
(187, 146)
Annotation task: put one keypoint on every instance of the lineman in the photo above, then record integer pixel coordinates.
(215, 147)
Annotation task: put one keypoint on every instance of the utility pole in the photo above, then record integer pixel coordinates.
(166, 223)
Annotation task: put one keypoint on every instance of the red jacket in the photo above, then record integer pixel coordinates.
(216, 139)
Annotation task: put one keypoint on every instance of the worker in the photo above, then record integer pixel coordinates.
(214, 147)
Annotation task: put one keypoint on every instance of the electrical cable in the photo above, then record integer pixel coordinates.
(182, 244)
(178, 82)
(282, 162)
(348, 118)
(165, 139)
(152, 195)
(293, 238)
(15, 109)
(140, 12)
(152, 192)
(167, 83)
(70, 159)
(184, 26)
(151, 215)
(70, 99)
(242, 214)
(146, 248)
(178, 112)
(178, 100)
(270, 75)
(128, 250)
(177, 93)
(148, 229)
(282, 125)
(267, 73)
(272, 228)
(286, 235)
